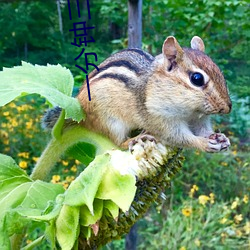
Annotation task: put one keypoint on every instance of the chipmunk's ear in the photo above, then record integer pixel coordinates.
(171, 49)
(197, 43)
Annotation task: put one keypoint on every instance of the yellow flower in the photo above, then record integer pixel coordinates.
(197, 242)
(4, 134)
(238, 159)
(65, 185)
(193, 190)
(24, 155)
(183, 248)
(6, 149)
(245, 199)
(70, 178)
(35, 159)
(73, 168)
(12, 105)
(223, 235)
(247, 227)
(224, 164)
(238, 233)
(223, 220)
(6, 113)
(6, 141)
(203, 199)
(65, 163)
(23, 164)
(23, 107)
(235, 203)
(187, 211)
(14, 123)
(211, 195)
(234, 152)
(29, 124)
(55, 178)
(238, 218)
(77, 162)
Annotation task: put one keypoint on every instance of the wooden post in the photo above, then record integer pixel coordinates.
(131, 238)
(135, 23)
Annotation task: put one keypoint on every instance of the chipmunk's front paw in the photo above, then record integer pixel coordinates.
(218, 142)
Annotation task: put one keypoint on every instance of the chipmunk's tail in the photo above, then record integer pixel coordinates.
(50, 117)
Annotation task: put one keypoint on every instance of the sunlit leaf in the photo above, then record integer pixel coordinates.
(83, 189)
(53, 82)
(83, 152)
(67, 226)
(112, 208)
(86, 218)
(9, 168)
(118, 188)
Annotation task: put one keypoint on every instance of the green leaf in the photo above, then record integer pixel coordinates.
(67, 226)
(14, 198)
(112, 208)
(118, 188)
(83, 189)
(58, 127)
(7, 220)
(86, 231)
(6, 186)
(20, 197)
(9, 168)
(86, 218)
(34, 243)
(53, 82)
(39, 194)
(83, 152)
(50, 234)
(4, 240)
(26, 202)
(50, 213)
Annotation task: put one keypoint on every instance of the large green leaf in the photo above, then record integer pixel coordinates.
(20, 197)
(67, 226)
(112, 208)
(83, 152)
(53, 82)
(9, 168)
(86, 218)
(6, 186)
(83, 189)
(118, 188)
(40, 193)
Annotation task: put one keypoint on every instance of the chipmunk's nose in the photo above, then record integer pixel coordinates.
(227, 108)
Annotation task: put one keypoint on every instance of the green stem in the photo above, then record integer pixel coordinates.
(16, 240)
(57, 147)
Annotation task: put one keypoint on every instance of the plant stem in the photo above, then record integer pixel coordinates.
(57, 147)
(16, 240)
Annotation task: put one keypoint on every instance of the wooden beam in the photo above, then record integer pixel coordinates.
(135, 23)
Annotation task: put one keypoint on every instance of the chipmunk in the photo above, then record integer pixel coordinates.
(170, 96)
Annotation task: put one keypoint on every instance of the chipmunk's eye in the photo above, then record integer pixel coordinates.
(197, 79)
